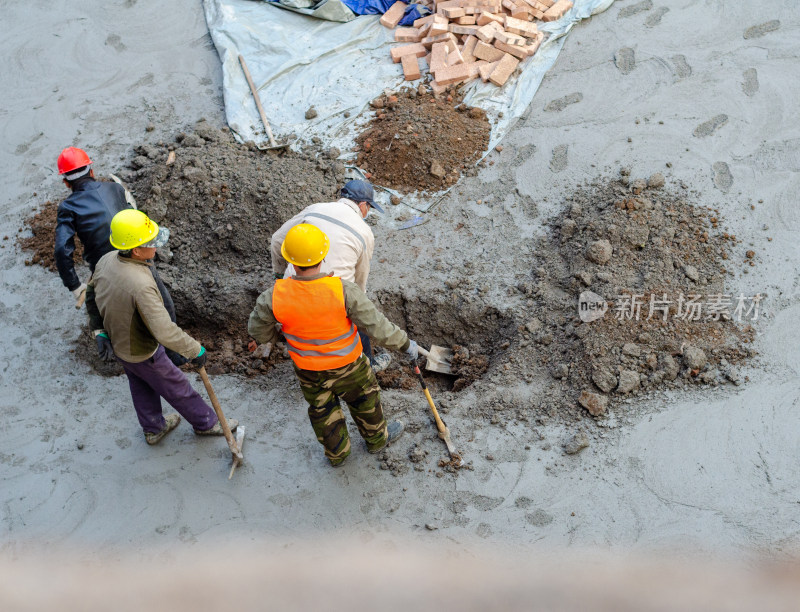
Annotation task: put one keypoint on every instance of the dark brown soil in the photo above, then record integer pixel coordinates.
(43, 227)
(413, 135)
(467, 367)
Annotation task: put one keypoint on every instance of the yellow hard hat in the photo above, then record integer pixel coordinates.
(305, 245)
(131, 228)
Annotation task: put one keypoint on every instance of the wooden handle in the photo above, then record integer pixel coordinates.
(80, 300)
(222, 420)
(439, 423)
(260, 108)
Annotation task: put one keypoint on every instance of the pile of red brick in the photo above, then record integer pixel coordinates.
(466, 39)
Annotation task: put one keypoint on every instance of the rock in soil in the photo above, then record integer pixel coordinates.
(576, 443)
(645, 255)
(421, 143)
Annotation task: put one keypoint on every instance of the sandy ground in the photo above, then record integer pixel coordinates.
(708, 471)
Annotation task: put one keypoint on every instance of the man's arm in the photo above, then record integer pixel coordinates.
(65, 248)
(156, 318)
(262, 325)
(95, 318)
(372, 321)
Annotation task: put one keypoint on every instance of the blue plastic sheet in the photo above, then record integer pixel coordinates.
(379, 7)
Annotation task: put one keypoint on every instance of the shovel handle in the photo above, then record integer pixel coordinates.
(439, 423)
(237, 454)
(260, 108)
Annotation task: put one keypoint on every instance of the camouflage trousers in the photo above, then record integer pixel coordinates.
(354, 383)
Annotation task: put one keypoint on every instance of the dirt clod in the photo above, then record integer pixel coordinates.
(421, 143)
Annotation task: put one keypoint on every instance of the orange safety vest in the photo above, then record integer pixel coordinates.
(314, 321)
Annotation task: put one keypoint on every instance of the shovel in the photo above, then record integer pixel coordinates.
(444, 433)
(262, 114)
(234, 445)
(438, 359)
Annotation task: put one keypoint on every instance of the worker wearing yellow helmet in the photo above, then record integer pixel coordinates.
(320, 316)
(129, 321)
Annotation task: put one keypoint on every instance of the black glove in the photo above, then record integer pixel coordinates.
(176, 358)
(104, 349)
(200, 360)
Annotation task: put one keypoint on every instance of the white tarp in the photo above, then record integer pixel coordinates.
(298, 61)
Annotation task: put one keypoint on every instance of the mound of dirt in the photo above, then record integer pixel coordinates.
(651, 257)
(222, 201)
(420, 142)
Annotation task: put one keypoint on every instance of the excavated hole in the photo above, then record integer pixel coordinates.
(478, 333)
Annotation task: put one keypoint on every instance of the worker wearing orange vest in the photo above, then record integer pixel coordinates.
(320, 317)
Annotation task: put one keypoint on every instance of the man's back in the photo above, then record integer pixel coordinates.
(352, 241)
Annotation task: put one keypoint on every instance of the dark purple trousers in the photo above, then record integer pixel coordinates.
(157, 377)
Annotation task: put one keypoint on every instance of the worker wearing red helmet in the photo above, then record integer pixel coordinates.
(87, 213)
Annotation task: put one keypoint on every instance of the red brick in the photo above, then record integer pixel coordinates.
(416, 49)
(523, 28)
(510, 39)
(518, 52)
(454, 58)
(423, 21)
(486, 33)
(557, 10)
(452, 13)
(438, 57)
(547, 3)
(453, 74)
(466, 20)
(407, 35)
(469, 47)
(411, 69)
(485, 18)
(534, 46)
(485, 69)
(438, 27)
(487, 52)
(462, 29)
(438, 88)
(503, 70)
(429, 41)
(393, 16)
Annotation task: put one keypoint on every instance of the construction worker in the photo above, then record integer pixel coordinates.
(320, 316)
(129, 320)
(352, 244)
(87, 212)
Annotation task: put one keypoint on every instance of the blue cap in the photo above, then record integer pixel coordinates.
(360, 191)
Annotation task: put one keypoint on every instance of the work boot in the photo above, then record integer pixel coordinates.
(170, 422)
(217, 429)
(380, 362)
(393, 431)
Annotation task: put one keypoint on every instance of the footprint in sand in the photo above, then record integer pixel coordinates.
(723, 179)
(750, 83)
(559, 161)
(625, 60)
(655, 19)
(757, 31)
(682, 67)
(709, 127)
(635, 9)
(562, 103)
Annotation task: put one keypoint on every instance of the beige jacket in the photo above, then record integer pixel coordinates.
(352, 241)
(122, 298)
(263, 326)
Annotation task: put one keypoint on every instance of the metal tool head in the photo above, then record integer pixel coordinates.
(439, 359)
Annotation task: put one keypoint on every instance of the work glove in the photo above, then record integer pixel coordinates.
(412, 352)
(176, 358)
(200, 360)
(79, 294)
(104, 349)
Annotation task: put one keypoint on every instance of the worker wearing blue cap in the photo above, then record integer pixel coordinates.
(351, 243)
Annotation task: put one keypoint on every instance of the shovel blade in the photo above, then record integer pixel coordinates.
(439, 359)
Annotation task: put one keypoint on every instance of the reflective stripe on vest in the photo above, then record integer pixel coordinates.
(314, 321)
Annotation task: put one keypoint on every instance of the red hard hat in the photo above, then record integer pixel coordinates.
(71, 159)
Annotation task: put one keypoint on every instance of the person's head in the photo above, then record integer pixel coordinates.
(135, 235)
(305, 246)
(74, 164)
(362, 193)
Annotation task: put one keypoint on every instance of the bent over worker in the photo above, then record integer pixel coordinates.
(320, 316)
(351, 243)
(129, 320)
